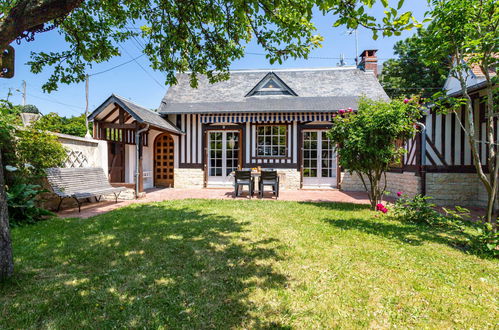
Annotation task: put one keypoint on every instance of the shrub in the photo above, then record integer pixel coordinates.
(26, 153)
(29, 108)
(368, 140)
(416, 210)
(23, 205)
(487, 240)
(483, 240)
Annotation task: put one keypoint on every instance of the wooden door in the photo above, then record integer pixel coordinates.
(163, 161)
(116, 161)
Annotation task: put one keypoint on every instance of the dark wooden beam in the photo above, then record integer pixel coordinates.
(109, 114)
(114, 125)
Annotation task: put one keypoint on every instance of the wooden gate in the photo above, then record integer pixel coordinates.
(163, 161)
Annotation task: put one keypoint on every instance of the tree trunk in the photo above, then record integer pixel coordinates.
(6, 259)
(29, 14)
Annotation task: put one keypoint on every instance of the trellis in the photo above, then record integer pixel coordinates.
(75, 159)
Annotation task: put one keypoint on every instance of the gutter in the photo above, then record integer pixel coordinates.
(137, 156)
(422, 171)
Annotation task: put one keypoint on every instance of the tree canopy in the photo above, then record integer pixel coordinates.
(66, 125)
(411, 73)
(200, 36)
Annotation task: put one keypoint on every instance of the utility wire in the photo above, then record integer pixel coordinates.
(143, 69)
(116, 66)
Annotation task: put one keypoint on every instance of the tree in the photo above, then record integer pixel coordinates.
(410, 73)
(52, 122)
(468, 31)
(201, 36)
(9, 119)
(368, 140)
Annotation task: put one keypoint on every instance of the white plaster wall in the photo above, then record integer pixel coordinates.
(95, 151)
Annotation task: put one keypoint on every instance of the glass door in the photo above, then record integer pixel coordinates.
(319, 160)
(223, 157)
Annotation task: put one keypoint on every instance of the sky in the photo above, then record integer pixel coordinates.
(141, 84)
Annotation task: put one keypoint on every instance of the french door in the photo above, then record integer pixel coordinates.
(319, 160)
(223, 157)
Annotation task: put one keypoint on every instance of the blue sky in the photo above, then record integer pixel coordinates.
(146, 86)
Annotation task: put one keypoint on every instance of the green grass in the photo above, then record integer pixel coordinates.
(244, 264)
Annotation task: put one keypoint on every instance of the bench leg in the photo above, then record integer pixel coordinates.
(116, 197)
(60, 203)
(79, 204)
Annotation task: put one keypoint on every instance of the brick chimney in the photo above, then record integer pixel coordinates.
(369, 61)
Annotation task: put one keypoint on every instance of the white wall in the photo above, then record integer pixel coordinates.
(93, 151)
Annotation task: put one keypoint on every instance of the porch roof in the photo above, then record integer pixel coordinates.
(138, 113)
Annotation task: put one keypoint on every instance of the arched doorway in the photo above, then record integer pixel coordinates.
(163, 160)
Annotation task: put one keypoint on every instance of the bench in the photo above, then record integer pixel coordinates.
(80, 183)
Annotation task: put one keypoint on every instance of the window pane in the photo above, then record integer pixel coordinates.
(271, 141)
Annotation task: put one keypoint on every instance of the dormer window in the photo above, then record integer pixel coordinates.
(271, 84)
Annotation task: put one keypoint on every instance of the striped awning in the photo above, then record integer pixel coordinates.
(265, 117)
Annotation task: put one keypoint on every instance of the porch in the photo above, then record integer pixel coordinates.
(159, 195)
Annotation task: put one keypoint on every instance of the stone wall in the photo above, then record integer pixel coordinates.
(406, 182)
(188, 178)
(290, 179)
(450, 189)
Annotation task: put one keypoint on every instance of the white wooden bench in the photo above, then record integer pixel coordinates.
(80, 183)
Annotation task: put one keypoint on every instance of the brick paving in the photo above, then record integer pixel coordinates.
(158, 195)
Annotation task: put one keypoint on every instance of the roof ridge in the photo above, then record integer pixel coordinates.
(136, 104)
(333, 68)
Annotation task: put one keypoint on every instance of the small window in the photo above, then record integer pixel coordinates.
(271, 140)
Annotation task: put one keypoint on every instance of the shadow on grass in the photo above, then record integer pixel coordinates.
(143, 266)
(408, 233)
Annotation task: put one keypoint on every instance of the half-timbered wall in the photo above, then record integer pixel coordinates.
(193, 142)
(447, 147)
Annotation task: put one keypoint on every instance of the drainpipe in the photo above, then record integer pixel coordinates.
(423, 157)
(137, 149)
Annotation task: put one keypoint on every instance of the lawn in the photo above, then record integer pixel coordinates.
(244, 264)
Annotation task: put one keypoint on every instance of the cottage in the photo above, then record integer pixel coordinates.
(268, 118)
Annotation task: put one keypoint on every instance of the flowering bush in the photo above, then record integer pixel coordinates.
(380, 207)
(367, 140)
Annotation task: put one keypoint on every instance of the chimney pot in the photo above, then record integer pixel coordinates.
(369, 61)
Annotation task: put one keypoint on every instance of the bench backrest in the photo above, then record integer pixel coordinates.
(66, 181)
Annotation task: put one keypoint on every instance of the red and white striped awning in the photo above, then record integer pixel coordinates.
(266, 117)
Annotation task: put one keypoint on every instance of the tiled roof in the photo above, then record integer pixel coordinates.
(139, 113)
(327, 89)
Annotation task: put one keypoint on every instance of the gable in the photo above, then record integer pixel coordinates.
(271, 84)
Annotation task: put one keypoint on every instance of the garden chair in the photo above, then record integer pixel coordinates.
(244, 178)
(269, 178)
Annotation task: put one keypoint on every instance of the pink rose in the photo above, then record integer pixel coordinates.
(399, 193)
(406, 101)
(350, 109)
(341, 111)
(384, 210)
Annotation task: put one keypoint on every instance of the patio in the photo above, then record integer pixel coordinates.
(158, 195)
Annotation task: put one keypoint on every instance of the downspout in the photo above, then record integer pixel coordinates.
(423, 157)
(137, 156)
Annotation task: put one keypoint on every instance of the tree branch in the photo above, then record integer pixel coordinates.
(29, 14)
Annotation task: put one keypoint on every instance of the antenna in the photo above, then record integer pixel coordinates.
(342, 60)
(24, 92)
(356, 45)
